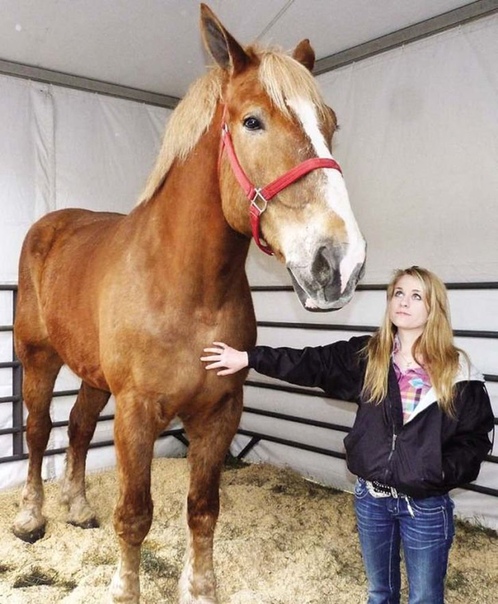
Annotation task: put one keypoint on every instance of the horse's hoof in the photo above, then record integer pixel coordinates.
(30, 536)
(91, 523)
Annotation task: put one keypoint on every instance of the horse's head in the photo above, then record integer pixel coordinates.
(276, 124)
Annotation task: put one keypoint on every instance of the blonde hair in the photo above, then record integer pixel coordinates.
(435, 345)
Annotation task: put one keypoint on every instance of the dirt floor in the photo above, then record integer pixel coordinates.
(279, 540)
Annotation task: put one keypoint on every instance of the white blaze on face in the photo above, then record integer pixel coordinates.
(335, 192)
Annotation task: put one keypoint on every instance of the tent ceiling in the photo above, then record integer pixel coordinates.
(155, 45)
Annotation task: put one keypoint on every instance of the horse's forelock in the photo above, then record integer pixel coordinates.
(283, 79)
(182, 132)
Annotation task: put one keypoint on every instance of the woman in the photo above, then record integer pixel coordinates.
(422, 428)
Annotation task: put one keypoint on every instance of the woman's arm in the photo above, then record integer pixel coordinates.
(469, 445)
(335, 368)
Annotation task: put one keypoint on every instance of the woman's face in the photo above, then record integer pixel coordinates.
(408, 307)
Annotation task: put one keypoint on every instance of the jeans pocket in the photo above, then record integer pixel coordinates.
(435, 515)
(360, 489)
(434, 505)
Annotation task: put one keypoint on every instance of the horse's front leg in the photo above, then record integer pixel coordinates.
(82, 422)
(134, 436)
(210, 437)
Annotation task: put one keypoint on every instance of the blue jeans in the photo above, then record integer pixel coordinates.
(424, 528)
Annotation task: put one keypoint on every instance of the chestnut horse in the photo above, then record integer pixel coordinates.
(129, 301)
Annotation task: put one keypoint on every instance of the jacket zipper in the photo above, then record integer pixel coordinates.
(393, 445)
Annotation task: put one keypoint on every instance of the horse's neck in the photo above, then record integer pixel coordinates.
(188, 222)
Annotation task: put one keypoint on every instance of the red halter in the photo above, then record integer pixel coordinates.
(265, 194)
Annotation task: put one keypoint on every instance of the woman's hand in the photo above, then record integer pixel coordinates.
(228, 359)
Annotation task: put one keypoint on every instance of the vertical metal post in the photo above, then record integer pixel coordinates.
(17, 402)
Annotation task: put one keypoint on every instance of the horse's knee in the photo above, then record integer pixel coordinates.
(202, 520)
(203, 505)
(132, 525)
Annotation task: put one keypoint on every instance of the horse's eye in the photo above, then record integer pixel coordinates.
(252, 123)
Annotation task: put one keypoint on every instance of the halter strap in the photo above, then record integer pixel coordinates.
(259, 197)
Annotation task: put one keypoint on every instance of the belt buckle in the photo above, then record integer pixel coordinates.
(375, 491)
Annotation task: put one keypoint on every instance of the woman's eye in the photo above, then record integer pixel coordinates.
(417, 297)
(398, 294)
(252, 123)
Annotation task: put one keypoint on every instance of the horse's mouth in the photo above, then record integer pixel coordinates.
(328, 298)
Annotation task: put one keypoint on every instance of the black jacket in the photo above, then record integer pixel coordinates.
(428, 455)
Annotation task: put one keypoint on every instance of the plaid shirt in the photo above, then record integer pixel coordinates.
(413, 384)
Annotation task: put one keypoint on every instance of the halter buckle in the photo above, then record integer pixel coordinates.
(264, 205)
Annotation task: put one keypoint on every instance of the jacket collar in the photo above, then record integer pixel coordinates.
(466, 373)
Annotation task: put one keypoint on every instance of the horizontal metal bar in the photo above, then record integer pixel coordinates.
(6, 431)
(65, 423)
(480, 489)
(296, 419)
(478, 285)
(176, 433)
(9, 399)
(317, 326)
(10, 364)
(291, 443)
(66, 80)
(60, 393)
(285, 388)
(4, 328)
(407, 35)
(475, 333)
(463, 333)
(337, 454)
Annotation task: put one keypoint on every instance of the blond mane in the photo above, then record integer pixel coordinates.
(183, 130)
(281, 76)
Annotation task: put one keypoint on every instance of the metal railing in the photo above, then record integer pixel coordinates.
(18, 424)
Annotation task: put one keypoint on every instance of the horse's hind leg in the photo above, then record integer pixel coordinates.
(41, 367)
(210, 437)
(82, 422)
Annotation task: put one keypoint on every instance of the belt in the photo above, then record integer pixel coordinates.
(377, 489)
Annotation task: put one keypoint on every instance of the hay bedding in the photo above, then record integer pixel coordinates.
(279, 540)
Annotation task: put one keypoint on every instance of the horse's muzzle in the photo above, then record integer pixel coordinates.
(319, 295)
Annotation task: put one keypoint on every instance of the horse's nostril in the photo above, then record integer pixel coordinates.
(320, 266)
(325, 269)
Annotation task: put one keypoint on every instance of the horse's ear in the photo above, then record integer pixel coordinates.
(223, 47)
(305, 54)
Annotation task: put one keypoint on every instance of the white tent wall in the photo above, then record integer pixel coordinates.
(65, 148)
(417, 144)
